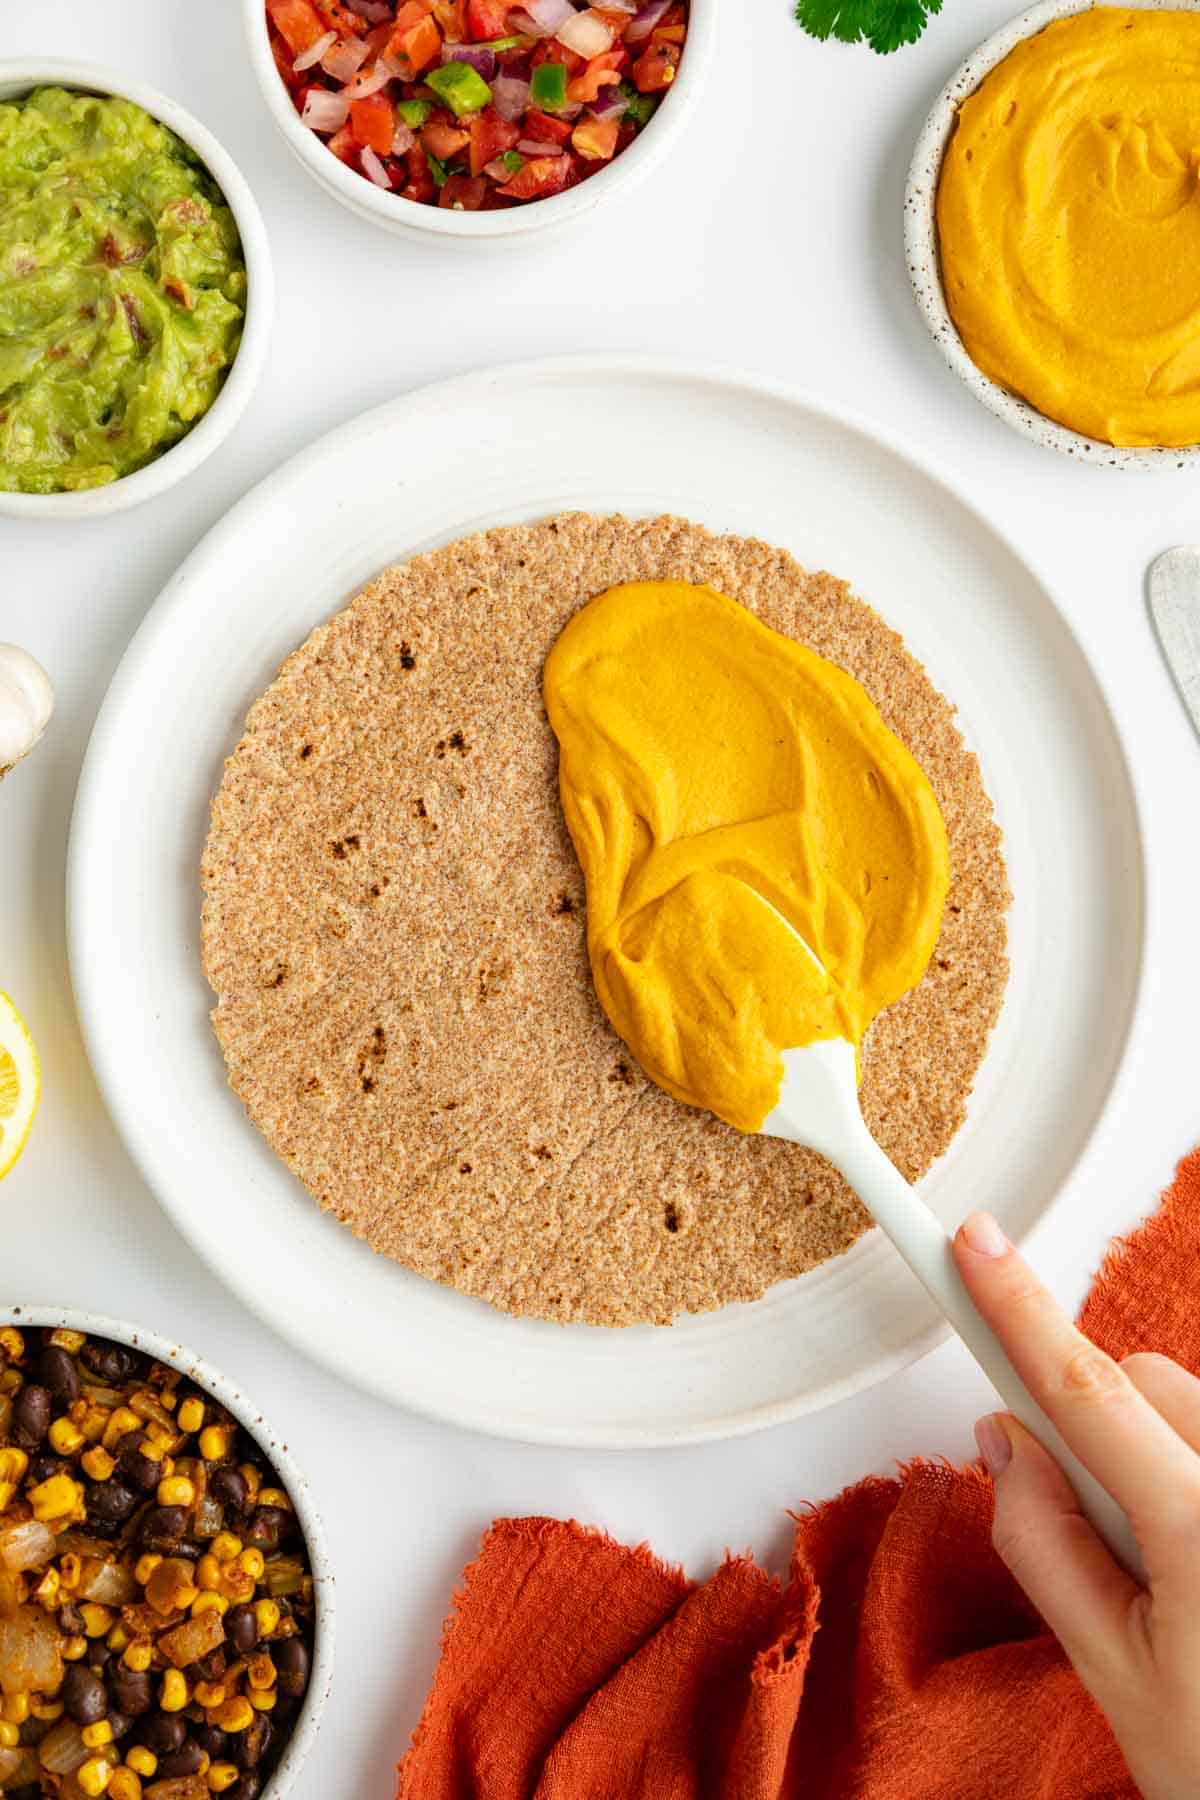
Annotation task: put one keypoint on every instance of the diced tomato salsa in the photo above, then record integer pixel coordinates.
(476, 104)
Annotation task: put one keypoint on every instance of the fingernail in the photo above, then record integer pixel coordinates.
(995, 1445)
(980, 1232)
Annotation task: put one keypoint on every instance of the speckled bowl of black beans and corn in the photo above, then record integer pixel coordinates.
(165, 1599)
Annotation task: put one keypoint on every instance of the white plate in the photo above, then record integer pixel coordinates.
(600, 433)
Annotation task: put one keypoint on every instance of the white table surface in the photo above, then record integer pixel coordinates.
(771, 239)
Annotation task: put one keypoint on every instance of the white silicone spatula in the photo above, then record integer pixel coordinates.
(818, 1106)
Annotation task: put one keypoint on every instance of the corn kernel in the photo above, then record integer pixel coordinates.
(158, 1434)
(10, 1735)
(138, 1656)
(124, 1785)
(56, 1498)
(253, 1480)
(235, 1715)
(270, 1496)
(216, 1442)
(261, 1671)
(12, 1341)
(65, 1437)
(41, 1708)
(15, 1709)
(142, 1761)
(117, 1638)
(11, 1381)
(177, 1491)
(98, 1620)
(70, 1341)
(97, 1463)
(238, 1585)
(225, 1547)
(254, 1564)
(208, 1572)
(205, 1763)
(97, 1735)
(191, 1415)
(267, 1614)
(173, 1696)
(120, 1424)
(155, 1453)
(263, 1699)
(209, 1602)
(94, 1776)
(13, 1464)
(47, 1589)
(74, 1649)
(8, 1491)
(222, 1775)
(145, 1566)
(209, 1694)
(94, 1422)
(70, 1570)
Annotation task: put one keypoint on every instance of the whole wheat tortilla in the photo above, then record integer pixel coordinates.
(393, 925)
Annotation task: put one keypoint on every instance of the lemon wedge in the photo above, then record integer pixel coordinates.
(20, 1084)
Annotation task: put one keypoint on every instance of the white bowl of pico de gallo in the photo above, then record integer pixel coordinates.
(478, 120)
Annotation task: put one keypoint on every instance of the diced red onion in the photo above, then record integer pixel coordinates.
(373, 11)
(372, 167)
(324, 111)
(369, 81)
(482, 61)
(345, 60)
(404, 139)
(586, 34)
(646, 19)
(625, 6)
(548, 15)
(498, 170)
(315, 52)
(510, 97)
(530, 147)
(608, 101)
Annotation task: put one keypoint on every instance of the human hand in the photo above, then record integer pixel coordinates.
(1136, 1426)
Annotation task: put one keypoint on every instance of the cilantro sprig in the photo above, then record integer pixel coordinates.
(884, 24)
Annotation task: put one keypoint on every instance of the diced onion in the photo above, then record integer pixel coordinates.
(18, 1768)
(646, 19)
(324, 112)
(586, 34)
(30, 1662)
(404, 139)
(510, 97)
(369, 81)
(372, 167)
(315, 52)
(519, 20)
(548, 15)
(345, 60)
(26, 1545)
(112, 1585)
(63, 1750)
(530, 147)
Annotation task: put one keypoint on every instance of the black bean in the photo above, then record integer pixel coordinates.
(70, 1619)
(58, 1372)
(267, 1527)
(31, 1417)
(111, 1500)
(251, 1745)
(248, 1788)
(209, 1668)
(241, 1628)
(163, 1733)
(83, 1695)
(292, 1662)
(131, 1690)
(187, 1760)
(112, 1362)
(229, 1487)
(136, 1470)
(163, 1524)
(42, 1467)
(120, 1724)
(211, 1740)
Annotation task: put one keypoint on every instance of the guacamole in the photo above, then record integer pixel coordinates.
(122, 290)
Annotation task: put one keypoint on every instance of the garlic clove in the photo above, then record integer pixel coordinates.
(26, 704)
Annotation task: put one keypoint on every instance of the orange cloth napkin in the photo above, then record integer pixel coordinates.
(901, 1662)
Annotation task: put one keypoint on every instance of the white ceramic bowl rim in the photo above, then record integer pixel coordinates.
(924, 263)
(480, 227)
(18, 77)
(202, 1372)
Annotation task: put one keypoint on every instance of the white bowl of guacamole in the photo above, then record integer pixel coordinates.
(135, 291)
